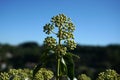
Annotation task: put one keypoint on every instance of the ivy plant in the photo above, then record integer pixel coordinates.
(16, 74)
(109, 74)
(26, 74)
(59, 45)
(83, 77)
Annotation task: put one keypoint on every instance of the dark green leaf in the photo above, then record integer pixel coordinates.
(37, 68)
(44, 60)
(74, 55)
(63, 67)
(47, 56)
(70, 65)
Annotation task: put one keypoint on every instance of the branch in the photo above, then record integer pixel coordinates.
(54, 32)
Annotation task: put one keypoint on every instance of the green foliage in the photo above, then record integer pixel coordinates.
(63, 67)
(26, 74)
(70, 65)
(109, 75)
(83, 77)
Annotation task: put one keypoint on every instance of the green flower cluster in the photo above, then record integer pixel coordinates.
(60, 50)
(50, 42)
(43, 74)
(26, 74)
(83, 77)
(59, 20)
(108, 75)
(65, 34)
(63, 22)
(71, 44)
(17, 74)
(48, 28)
(4, 76)
(70, 27)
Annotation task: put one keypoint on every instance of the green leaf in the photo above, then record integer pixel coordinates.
(47, 56)
(37, 68)
(44, 56)
(70, 65)
(76, 56)
(63, 67)
(44, 60)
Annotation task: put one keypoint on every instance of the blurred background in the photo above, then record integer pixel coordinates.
(97, 32)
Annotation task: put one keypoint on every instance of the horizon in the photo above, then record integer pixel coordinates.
(39, 44)
(97, 22)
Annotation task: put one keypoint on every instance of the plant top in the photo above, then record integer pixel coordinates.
(64, 34)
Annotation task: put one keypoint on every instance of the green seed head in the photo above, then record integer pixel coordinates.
(50, 42)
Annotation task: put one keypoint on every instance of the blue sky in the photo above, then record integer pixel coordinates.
(97, 21)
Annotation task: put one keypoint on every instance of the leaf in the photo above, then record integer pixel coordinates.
(44, 60)
(44, 56)
(47, 56)
(74, 55)
(50, 60)
(70, 65)
(63, 67)
(37, 68)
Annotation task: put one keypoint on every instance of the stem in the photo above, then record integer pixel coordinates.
(58, 57)
(54, 32)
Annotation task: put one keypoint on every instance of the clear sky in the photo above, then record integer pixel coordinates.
(97, 21)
